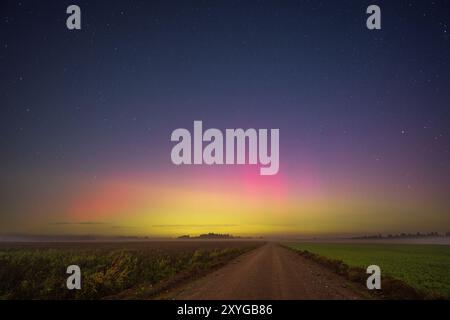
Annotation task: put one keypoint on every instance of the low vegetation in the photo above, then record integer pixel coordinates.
(409, 271)
(38, 271)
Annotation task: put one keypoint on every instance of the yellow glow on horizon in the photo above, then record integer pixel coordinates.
(241, 209)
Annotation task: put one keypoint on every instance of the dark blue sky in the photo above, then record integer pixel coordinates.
(108, 96)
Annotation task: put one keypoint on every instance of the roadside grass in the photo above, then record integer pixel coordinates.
(426, 268)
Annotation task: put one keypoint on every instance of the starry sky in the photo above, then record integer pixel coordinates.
(86, 116)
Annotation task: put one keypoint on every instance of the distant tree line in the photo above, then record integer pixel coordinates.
(404, 235)
(209, 236)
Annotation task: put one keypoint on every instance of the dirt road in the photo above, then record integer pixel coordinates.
(269, 272)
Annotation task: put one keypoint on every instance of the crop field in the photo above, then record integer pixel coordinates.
(38, 270)
(424, 267)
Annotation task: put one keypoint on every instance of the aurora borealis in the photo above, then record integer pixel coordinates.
(87, 115)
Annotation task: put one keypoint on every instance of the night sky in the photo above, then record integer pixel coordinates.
(86, 116)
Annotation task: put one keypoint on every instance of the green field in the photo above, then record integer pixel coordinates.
(139, 269)
(424, 267)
